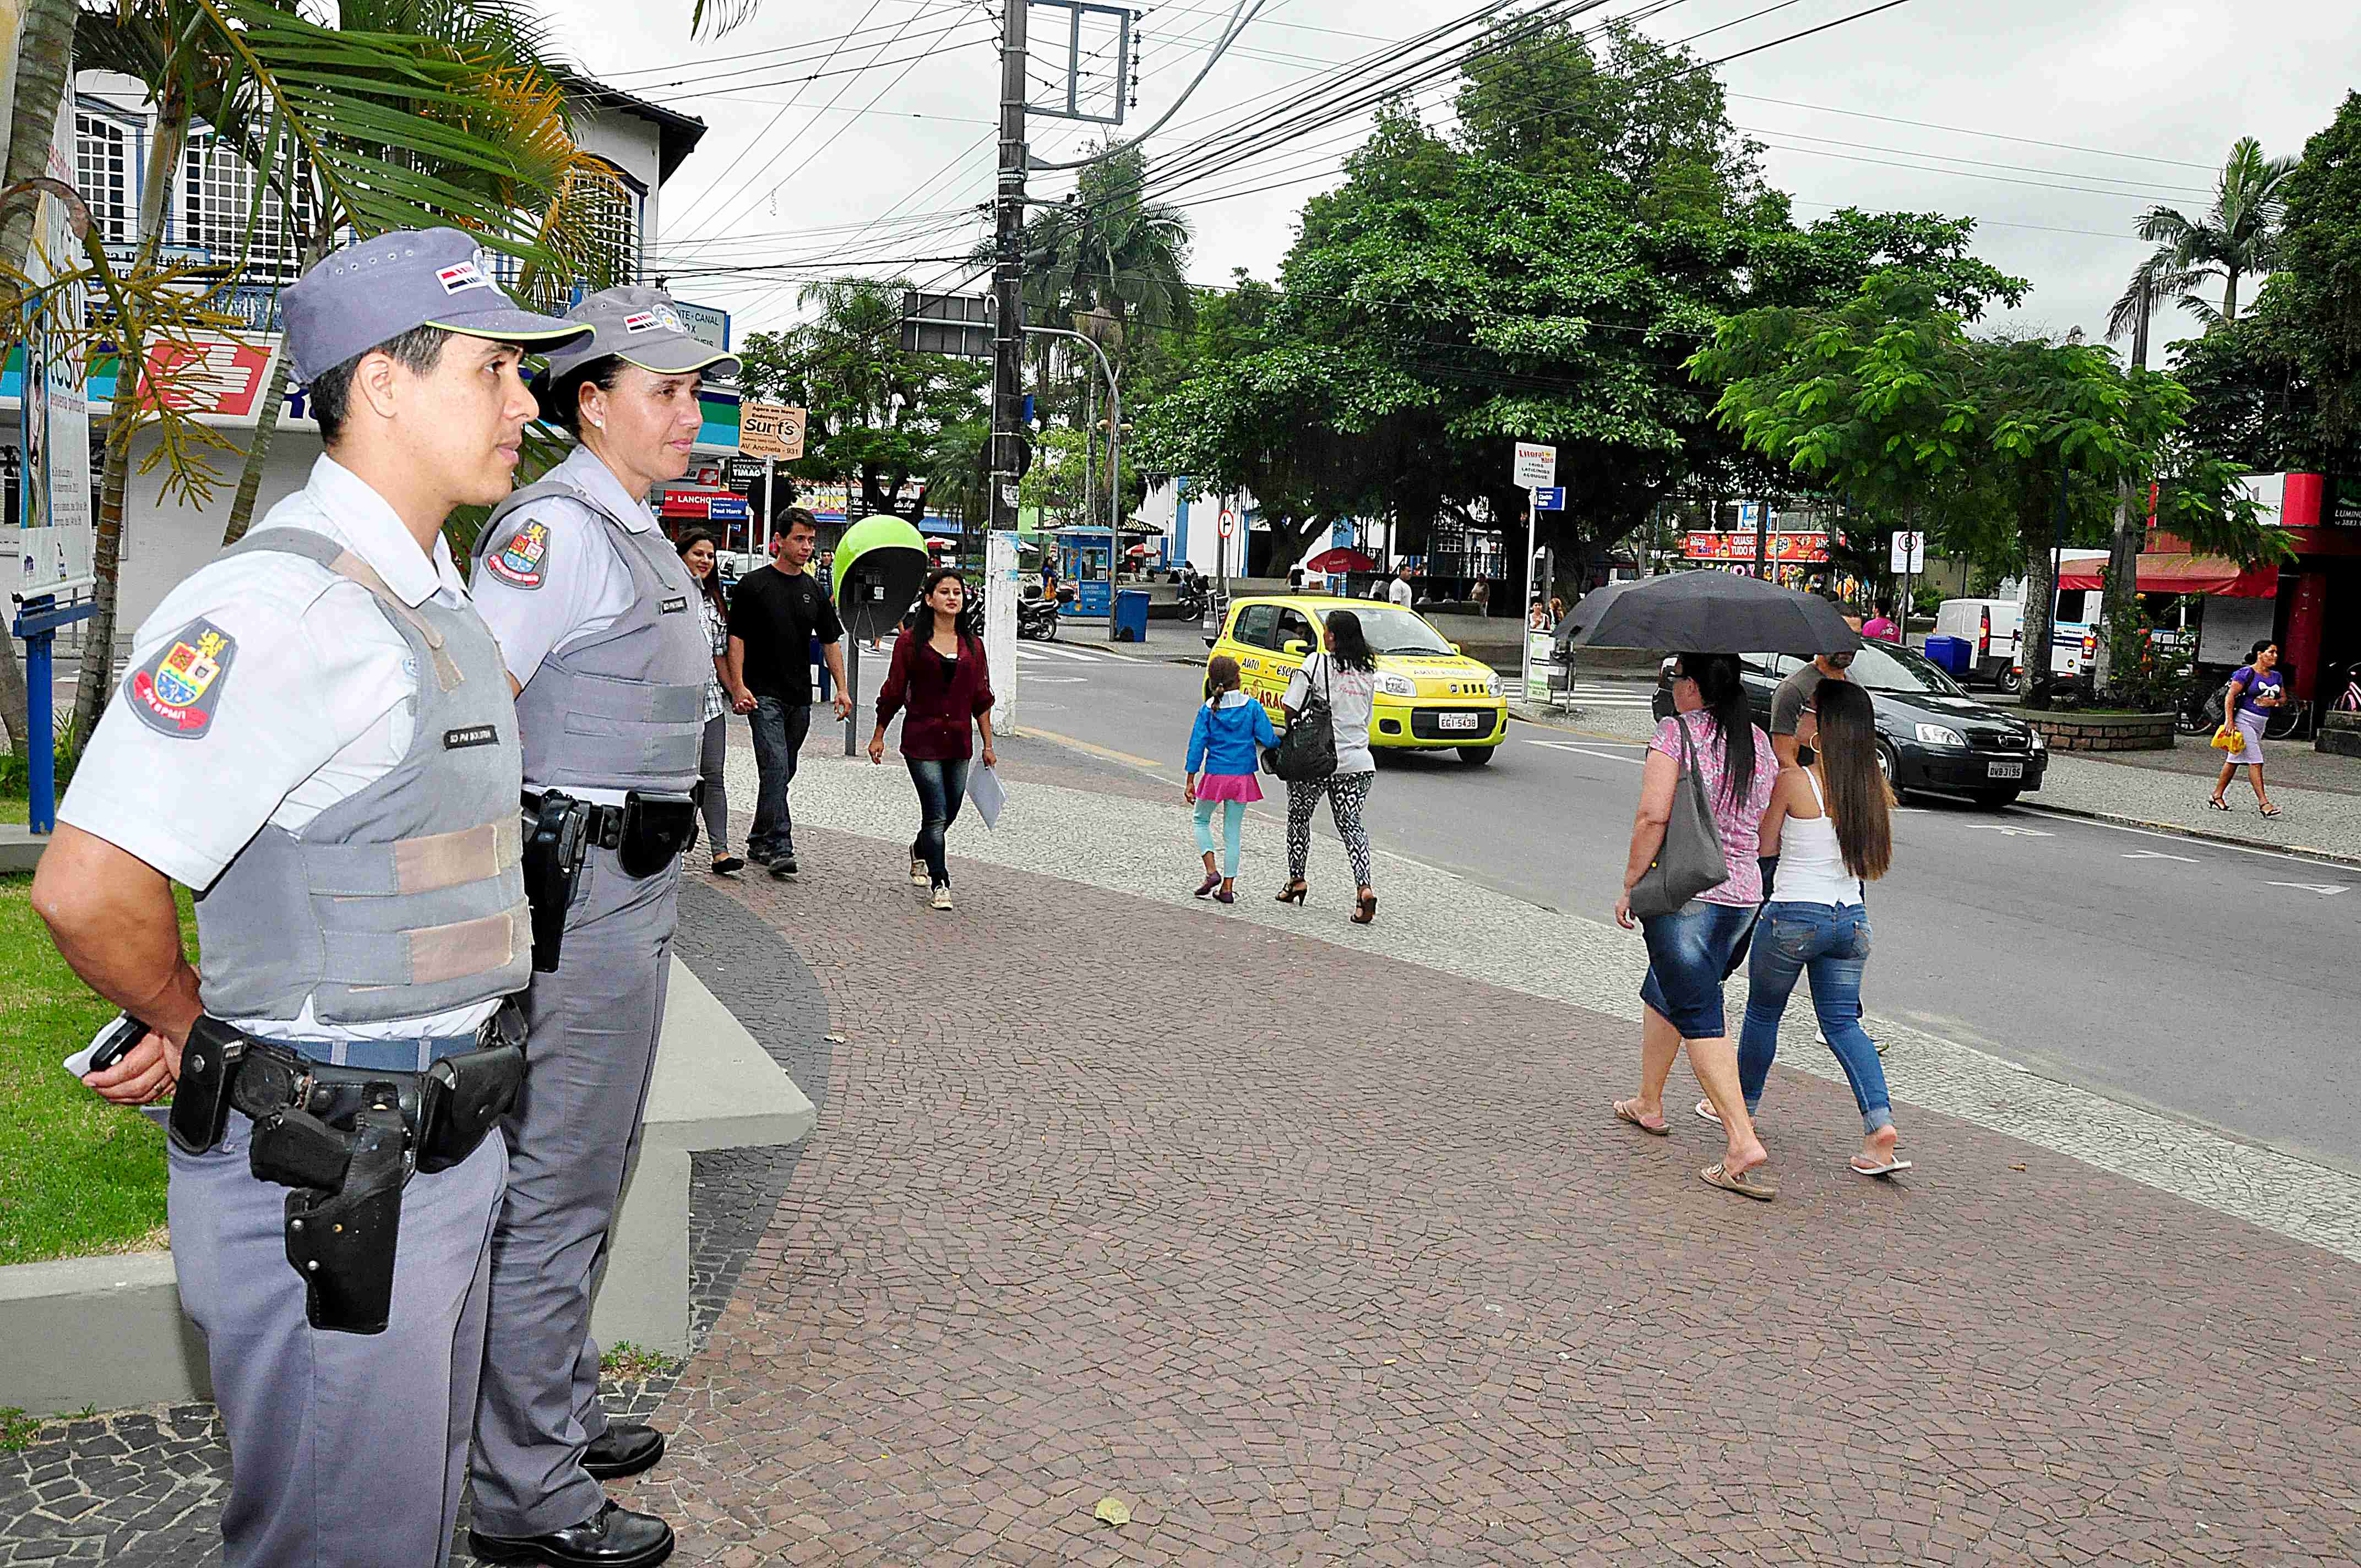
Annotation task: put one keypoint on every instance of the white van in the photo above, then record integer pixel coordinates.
(1990, 628)
(1995, 628)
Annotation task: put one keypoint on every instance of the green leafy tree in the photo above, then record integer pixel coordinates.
(1440, 305)
(2320, 309)
(2235, 239)
(874, 415)
(1888, 398)
(1644, 116)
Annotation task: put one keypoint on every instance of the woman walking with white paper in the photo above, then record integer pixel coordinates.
(939, 684)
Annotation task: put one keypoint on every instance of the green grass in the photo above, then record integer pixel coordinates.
(16, 811)
(629, 1362)
(77, 1175)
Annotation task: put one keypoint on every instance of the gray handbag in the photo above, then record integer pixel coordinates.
(1690, 859)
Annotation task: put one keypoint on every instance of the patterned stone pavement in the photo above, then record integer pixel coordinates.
(1310, 1248)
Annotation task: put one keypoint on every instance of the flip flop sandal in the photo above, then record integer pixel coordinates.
(1888, 1168)
(1742, 1184)
(2270, 811)
(1706, 1112)
(1632, 1116)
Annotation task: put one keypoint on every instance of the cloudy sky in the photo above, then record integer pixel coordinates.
(859, 131)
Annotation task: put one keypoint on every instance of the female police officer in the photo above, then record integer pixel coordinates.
(598, 621)
(317, 734)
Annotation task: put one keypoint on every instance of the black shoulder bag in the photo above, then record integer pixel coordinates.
(1307, 752)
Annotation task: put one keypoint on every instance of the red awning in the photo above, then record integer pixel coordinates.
(2175, 573)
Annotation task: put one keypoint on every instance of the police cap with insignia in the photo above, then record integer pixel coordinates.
(374, 291)
(641, 326)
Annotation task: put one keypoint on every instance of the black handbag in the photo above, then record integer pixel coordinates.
(1307, 752)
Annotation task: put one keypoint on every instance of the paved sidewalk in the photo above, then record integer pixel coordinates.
(1313, 1243)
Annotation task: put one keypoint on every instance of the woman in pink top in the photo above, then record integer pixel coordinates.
(1881, 626)
(1692, 950)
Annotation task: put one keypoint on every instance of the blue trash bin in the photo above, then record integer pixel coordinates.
(1131, 615)
(1952, 653)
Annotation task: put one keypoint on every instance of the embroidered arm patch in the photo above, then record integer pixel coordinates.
(522, 561)
(175, 691)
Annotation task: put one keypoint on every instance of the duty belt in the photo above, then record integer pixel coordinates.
(648, 831)
(347, 1138)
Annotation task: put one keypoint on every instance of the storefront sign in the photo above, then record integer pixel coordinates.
(769, 430)
(1798, 548)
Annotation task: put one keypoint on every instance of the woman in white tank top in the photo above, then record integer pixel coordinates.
(1827, 829)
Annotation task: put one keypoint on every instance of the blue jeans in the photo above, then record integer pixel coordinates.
(941, 786)
(1690, 953)
(1830, 943)
(779, 731)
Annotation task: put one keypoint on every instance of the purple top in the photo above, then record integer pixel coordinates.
(2251, 685)
(1740, 821)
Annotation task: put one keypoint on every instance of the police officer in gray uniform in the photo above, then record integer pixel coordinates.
(598, 620)
(316, 735)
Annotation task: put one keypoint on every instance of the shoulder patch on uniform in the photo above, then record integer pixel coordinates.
(522, 562)
(175, 691)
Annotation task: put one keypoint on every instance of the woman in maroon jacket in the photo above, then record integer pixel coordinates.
(939, 683)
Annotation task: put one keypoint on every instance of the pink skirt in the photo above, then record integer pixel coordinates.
(1229, 787)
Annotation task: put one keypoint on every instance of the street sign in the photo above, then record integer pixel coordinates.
(1229, 523)
(1536, 466)
(1550, 497)
(743, 472)
(1909, 552)
(708, 325)
(959, 324)
(769, 430)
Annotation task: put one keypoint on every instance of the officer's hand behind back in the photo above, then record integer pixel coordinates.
(146, 1072)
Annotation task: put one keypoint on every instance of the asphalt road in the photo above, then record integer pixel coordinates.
(2213, 983)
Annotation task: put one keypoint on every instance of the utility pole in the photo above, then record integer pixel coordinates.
(1008, 272)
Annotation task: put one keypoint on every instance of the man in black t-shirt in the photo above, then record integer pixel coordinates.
(776, 613)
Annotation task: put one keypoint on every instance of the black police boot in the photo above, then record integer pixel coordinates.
(614, 1536)
(625, 1448)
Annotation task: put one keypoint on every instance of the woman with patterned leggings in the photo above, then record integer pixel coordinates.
(1347, 677)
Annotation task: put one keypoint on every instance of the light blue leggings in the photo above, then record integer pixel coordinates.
(1234, 815)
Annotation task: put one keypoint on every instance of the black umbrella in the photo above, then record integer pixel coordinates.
(1710, 612)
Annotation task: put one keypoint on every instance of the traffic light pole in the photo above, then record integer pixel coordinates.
(1008, 273)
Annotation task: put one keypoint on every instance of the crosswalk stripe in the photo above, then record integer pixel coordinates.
(1061, 653)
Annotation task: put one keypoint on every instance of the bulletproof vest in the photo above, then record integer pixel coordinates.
(623, 707)
(407, 898)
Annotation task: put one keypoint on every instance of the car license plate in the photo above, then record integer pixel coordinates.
(1459, 721)
(2004, 770)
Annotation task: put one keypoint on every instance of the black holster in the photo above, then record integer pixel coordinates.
(343, 1243)
(558, 830)
(346, 1138)
(210, 1064)
(657, 829)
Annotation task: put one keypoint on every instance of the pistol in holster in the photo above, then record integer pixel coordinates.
(346, 1139)
(559, 830)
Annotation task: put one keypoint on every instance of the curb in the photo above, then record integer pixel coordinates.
(2202, 835)
(1137, 652)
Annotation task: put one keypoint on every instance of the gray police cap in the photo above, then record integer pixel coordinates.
(374, 291)
(641, 326)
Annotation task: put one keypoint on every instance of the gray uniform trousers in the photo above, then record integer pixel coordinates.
(348, 1448)
(594, 1022)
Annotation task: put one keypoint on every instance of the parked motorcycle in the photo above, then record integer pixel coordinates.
(1036, 619)
(1193, 599)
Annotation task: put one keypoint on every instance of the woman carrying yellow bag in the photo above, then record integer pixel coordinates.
(2253, 693)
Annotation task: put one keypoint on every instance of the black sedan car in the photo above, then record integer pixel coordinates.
(1931, 734)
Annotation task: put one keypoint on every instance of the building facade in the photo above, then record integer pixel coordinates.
(205, 220)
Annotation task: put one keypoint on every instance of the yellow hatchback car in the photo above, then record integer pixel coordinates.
(1429, 695)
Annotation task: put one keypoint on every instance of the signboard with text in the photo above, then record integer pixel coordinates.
(1780, 547)
(769, 430)
(54, 543)
(1535, 466)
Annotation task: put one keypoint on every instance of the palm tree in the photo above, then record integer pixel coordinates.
(465, 128)
(2238, 239)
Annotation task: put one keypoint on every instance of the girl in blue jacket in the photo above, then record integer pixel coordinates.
(1225, 754)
